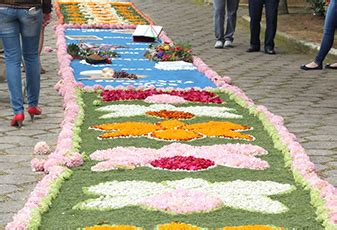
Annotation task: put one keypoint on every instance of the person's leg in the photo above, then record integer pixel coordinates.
(271, 23)
(219, 17)
(232, 8)
(43, 71)
(330, 26)
(30, 24)
(255, 13)
(10, 34)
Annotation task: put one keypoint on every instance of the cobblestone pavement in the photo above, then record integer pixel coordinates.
(16, 145)
(306, 100)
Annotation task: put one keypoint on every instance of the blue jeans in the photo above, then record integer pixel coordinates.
(330, 26)
(16, 24)
(219, 18)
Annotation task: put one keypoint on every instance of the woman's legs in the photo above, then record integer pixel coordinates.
(10, 34)
(330, 26)
(42, 70)
(30, 50)
(13, 71)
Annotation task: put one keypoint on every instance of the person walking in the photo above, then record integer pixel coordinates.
(330, 25)
(255, 13)
(222, 8)
(20, 26)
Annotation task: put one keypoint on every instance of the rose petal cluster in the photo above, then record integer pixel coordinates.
(189, 163)
(41, 148)
(189, 95)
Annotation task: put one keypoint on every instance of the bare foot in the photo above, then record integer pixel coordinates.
(334, 65)
(311, 65)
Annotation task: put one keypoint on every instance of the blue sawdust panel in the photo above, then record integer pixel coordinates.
(132, 60)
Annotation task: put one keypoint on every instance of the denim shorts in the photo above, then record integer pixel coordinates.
(15, 21)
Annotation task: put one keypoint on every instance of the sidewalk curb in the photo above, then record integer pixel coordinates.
(302, 43)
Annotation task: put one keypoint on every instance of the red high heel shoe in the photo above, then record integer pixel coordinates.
(34, 111)
(18, 120)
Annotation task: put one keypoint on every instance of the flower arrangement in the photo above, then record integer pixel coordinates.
(228, 155)
(170, 52)
(110, 73)
(181, 162)
(191, 95)
(128, 13)
(41, 148)
(173, 130)
(93, 53)
(187, 196)
(177, 226)
(167, 114)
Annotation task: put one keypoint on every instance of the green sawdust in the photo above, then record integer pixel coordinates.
(61, 215)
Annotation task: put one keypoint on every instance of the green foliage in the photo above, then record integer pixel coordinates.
(318, 7)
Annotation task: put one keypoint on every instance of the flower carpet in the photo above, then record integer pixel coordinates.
(180, 148)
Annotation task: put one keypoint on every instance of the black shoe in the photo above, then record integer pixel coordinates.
(328, 66)
(269, 51)
(304, 67)
(252, 49)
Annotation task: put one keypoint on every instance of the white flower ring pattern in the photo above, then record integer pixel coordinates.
(174, 65)
(229, 155)
(121, 110)
(187, 196)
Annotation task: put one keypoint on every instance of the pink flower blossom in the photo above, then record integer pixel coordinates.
(37, 165)
(182, 201)
(165, 98)
(74, 160)
(41, 148)
(230, 155)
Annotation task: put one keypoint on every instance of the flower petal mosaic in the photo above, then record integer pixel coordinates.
(187, 196)
(178, 147)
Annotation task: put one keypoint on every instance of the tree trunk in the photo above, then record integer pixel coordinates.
(283, 7)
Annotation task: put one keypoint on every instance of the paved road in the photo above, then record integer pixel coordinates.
(16, 145)
(307, 101)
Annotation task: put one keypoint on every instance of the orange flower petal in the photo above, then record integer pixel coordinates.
(177, 226)
(167, 114)
(176, 135)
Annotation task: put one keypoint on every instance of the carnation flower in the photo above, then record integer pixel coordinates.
(41, 148)
(37, 165)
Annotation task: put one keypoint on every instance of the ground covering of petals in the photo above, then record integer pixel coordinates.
(145, 157)
(98, 193)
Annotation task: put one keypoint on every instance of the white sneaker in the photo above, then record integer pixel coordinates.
(218, 45)
(228, 43)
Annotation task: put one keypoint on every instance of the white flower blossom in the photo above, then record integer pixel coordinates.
(120, 110)
(247, 195)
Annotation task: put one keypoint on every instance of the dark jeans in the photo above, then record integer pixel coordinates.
(330, 26)
(255, 13)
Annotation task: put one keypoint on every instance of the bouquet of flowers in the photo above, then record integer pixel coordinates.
(170, 52)
(93, 52)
